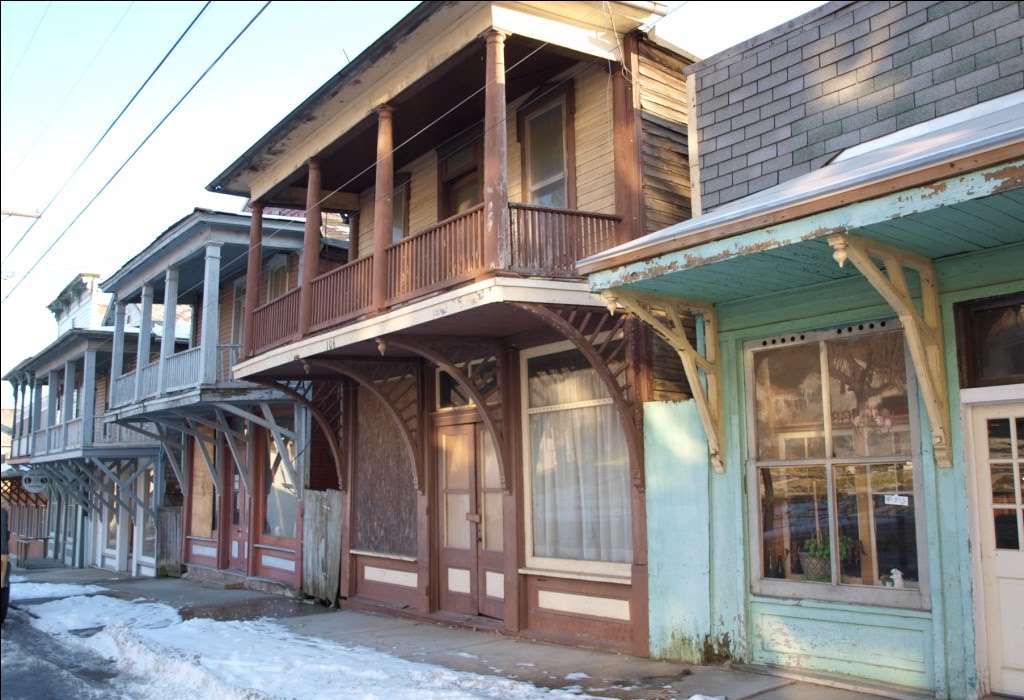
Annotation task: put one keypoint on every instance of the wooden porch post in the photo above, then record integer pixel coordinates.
(117, 359)
(629, 202)
(68, 411)
(145, 331)
(496, 228)
(252, 276)
(37, 412)
(211, 316)
(88, 396)
(168, 336)
(310, 246)
(383, 213)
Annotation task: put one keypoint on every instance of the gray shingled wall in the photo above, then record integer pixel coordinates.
(788, 101)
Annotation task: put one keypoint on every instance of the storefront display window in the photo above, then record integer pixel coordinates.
(832, 465)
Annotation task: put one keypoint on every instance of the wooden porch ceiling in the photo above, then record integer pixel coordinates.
(434, 109)
(751, 271)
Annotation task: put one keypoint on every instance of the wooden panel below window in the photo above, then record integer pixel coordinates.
(582, 611)
(392, 581)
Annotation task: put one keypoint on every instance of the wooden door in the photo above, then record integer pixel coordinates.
(237, 511)
(998, 434)
(471, 562)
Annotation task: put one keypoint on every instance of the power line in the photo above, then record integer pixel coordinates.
(67, 97)
(138, 148)
(105, 133)
(35, 31)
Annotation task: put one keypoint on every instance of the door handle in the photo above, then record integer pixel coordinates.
(473, 517)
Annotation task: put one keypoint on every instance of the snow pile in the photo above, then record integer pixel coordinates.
(22, 590)
(80, 613)
(257, 659)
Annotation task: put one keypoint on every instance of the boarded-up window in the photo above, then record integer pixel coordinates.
(385, 496)
(204, 496)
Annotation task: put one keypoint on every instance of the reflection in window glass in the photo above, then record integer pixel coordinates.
(794, 523)
(789, 408)
(546, 157)
(279, 490)
(148, 524)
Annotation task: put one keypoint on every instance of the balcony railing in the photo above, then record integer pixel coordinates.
(276, 322)
(114, 434)
(543, 242)
(447, 253)
(227, 357)
(548, 241)
(122, 389)
(341, 294)
(182, 369)
(74, 434)
(150, 378)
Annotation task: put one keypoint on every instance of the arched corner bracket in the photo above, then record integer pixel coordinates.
(923, 329)
(664, 315)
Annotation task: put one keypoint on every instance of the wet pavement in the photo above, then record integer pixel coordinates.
(596, 673)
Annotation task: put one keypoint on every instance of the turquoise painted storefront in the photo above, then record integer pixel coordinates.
(702, 575)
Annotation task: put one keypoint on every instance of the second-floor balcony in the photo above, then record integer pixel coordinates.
(543, 242)
(182, 371)
(75, 434)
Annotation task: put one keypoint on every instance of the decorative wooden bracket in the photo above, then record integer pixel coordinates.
(923, 329)
(665, 316)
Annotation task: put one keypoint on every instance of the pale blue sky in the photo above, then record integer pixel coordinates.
(68, 68)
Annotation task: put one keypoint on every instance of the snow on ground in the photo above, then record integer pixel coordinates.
(257, 659)
(22, 590)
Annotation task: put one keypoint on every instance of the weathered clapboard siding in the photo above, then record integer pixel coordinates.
(423, 208)
(321, 543)
(595, 159)
(99, 404)
(515, 156)
(366, 222)
(668, 380)
(664, 151)
(226, 315)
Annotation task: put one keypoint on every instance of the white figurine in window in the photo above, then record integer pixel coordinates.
(897, 578)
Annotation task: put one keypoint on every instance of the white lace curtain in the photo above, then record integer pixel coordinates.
(580, 470)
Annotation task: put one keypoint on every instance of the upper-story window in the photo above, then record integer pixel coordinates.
(461, 173)
(277, 277)
(545, 130)
(400, 208)
(834, 488)
(991, 339)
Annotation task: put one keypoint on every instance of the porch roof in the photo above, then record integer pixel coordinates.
(940, 192)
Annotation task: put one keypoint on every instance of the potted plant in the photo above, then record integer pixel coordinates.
(816, 556)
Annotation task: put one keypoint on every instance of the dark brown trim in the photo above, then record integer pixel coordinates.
(629, 195)
(854, 195)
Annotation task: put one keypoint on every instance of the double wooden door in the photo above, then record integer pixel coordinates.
(470, 527)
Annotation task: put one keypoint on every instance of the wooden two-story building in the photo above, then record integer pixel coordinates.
(484, 407)
(237, 449)
(104, 481)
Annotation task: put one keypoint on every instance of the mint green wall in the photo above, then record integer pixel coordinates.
(929, 649)
(678, 517)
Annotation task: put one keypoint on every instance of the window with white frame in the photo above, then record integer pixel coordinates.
(834, 490)
(578, 492)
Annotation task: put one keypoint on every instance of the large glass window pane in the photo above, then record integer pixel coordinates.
(787, 392)
(148, 525)
(456, 530)
(868, 396)
(279, 491)
(794, 523)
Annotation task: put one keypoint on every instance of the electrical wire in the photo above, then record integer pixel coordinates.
(106, 132)
(137, 149)
(67, 97)
(31, 39)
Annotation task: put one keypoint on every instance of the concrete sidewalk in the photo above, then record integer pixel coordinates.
(595, 673)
